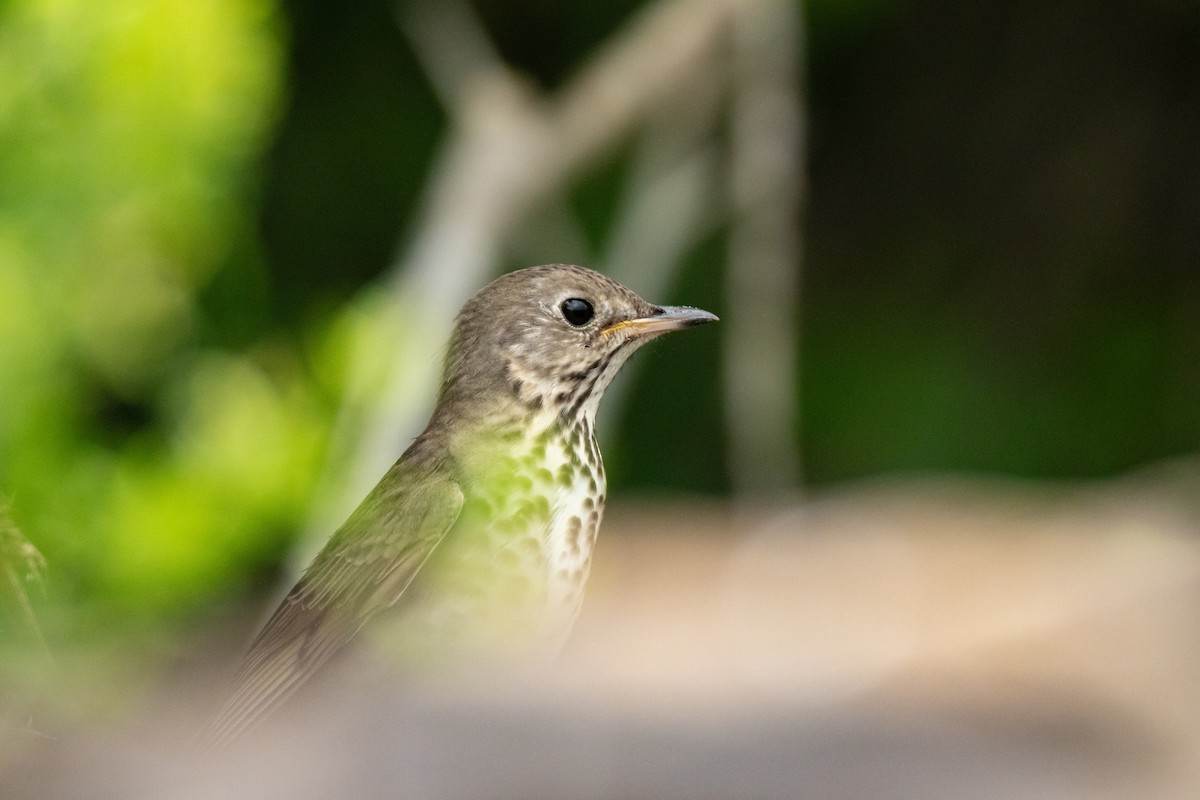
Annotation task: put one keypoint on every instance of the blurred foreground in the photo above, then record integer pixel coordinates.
(902, 639)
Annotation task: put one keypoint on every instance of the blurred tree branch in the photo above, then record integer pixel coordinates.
(767, 184)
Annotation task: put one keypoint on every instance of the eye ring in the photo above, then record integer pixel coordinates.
(577, 311)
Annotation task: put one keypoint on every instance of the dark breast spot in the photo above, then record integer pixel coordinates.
(580, 400)
(570, 438)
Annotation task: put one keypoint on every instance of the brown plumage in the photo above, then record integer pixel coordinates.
(480, 535)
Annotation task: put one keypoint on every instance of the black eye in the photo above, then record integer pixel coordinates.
(577, 311)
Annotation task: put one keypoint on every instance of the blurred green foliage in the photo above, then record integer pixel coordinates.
(141, 458)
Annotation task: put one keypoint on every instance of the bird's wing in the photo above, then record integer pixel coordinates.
(365, 567)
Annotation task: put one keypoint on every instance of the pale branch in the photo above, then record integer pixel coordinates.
(767, 181)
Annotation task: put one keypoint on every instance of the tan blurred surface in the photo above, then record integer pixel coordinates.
(920, 638)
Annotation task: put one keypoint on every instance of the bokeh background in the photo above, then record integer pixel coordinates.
(948, 243)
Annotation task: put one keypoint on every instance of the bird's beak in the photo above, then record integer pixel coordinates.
(664, 318)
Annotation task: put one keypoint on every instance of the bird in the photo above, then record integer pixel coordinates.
(479, 538)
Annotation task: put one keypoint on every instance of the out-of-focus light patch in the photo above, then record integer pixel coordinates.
(354, 358)
(243, 459)
(163, 537)
(182, 93)
(128, 319)
(21, 326)
(37, 394)
(244, 431)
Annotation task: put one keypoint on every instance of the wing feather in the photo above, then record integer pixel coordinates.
(365, 567)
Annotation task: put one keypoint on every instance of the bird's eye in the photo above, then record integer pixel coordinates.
(577, 311)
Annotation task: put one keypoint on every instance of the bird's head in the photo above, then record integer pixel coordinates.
(552, 338)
